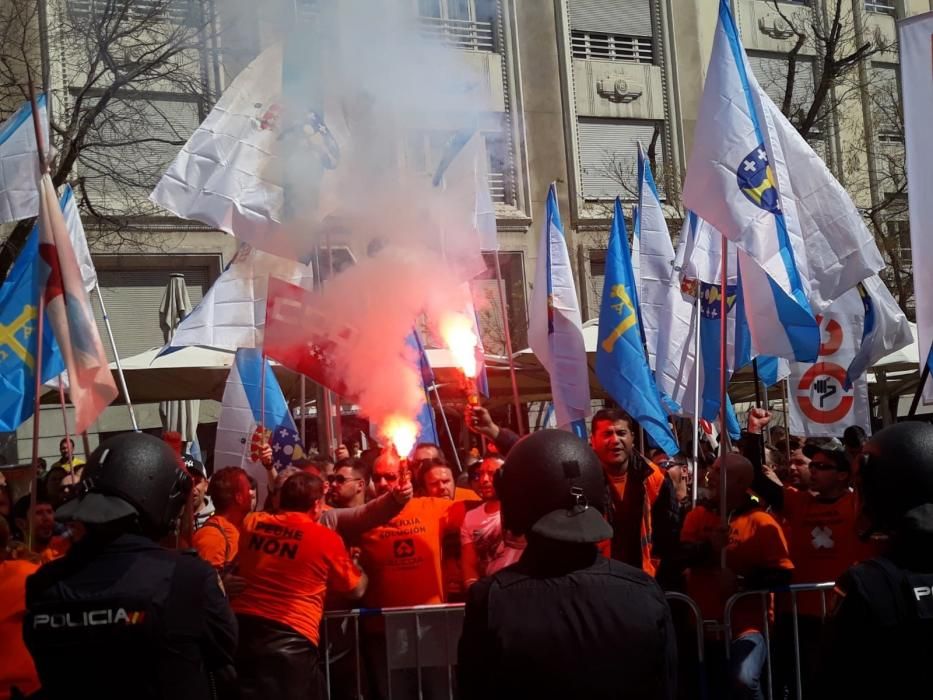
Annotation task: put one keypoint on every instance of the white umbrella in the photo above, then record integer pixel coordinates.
(177, 416)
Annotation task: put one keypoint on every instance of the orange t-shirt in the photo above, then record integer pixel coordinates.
(16, 667)
(289, 563)
(755, 542)
(217, 541)
(823, 542)
(403, 557)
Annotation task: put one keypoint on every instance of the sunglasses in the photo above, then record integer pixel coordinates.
(340, 479)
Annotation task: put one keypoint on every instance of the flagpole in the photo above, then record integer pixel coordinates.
(61, 399)
(116, 358)
(698, 305)
(262, 397)
(40, 330)
(784, 394)
(304, 419)
(723, 385)
(450, 435)
(519, 418)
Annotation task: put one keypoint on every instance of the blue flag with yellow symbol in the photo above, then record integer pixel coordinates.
(621, 363)
(19, 297)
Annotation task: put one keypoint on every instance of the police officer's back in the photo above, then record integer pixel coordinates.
(119, 616)
(563, 622)
(880, 638)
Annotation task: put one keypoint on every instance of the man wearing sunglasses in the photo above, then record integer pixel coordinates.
(347, 484)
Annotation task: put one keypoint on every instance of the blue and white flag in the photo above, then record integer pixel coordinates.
(427, 425)
(555, 329)
(19, 162)
(733, 181)
(621, 363)
(78, 239)
(652, 257)
(18, 339)
(244, 421)
(885, 328)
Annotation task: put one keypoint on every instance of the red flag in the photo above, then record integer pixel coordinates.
(297, 334)
(90, 385)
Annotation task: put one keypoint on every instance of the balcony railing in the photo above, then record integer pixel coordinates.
(461, 34)
(497, 187)
(612, 47)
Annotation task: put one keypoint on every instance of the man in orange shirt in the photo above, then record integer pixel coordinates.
(756, 555)
(403, 558)
(288, 562)
(17, 670)
(45, 542)
(643, 506)
(217, 541)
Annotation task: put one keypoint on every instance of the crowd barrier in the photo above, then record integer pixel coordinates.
(409, 653)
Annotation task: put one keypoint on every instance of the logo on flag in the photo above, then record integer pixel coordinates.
(286, 447)
(15, 333)
(711, 300)
(756, 180)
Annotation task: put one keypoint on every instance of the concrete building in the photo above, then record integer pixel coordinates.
(574, 85)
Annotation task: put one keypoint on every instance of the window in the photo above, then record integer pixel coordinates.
(773, 73)
(491, 327)
(463, 24)
(133, 294)
(608, 152)
(133, 143)
(611, 47)
(425, 149)
(96, 11)
(598, 263)
(885, 96)
(881, 6)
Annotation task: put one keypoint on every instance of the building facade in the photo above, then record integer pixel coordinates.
(574, 86)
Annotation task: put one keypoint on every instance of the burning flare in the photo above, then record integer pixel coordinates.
(401, 432)
(459, 335)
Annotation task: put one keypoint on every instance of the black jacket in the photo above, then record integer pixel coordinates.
(566, 623)
(880, 637)
(121, 617)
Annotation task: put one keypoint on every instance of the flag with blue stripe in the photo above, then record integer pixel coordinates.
(555, 328)
(885, 328)
(427, 425)
(621, 363)
(19, 296)
(734, 180)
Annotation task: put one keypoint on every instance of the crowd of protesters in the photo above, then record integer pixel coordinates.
(370, 529)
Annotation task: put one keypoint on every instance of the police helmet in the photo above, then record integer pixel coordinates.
(133, 474)
(552, 485)
(896, 474)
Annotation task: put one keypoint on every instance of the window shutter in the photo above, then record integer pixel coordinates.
(133, 297)
(608, 154)
(627, 17)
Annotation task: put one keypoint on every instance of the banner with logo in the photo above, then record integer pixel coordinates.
(916, 48)
(819, 405)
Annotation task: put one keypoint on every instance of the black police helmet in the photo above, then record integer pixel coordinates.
(133, 474)
(896, 473)
(552, 485)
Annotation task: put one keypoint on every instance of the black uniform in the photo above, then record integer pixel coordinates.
(567, 623)
(121, 617)
(880, 638)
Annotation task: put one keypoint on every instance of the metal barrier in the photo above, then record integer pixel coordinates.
(765, 597)
(429, 663)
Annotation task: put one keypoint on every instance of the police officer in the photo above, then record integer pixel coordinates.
(564, 622)
(119, 616)
(880, 641)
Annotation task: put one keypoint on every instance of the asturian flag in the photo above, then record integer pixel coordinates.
(90, 385)
(555, 329)
(621, 363)
(734, 180)
(233, 312)
(19, 162)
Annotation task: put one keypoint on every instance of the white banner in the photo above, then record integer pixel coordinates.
(916, 43)
(819, 405)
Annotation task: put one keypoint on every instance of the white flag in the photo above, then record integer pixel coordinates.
(885, 330)
(229, 174)
(78, 239)
(233, 312)
(19, 162)
(917, 91)
(555, 329)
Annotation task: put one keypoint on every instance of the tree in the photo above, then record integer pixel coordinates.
(850, 68)
(131, 80)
